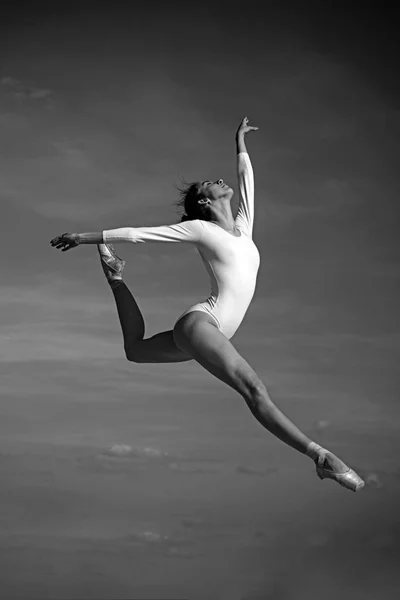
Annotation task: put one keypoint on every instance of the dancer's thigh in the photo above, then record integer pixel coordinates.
(197, 334)
(160, 348)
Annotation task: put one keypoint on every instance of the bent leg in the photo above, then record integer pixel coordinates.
(130, 317)
(197, 335)
(160, 348)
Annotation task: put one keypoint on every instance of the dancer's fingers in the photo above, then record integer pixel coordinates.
(57, 239)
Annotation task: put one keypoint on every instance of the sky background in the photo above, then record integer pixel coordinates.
(155, 481)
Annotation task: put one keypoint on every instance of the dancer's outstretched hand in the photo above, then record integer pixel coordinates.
(244, 127)
(66, 241)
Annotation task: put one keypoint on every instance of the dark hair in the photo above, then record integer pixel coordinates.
(189, 201)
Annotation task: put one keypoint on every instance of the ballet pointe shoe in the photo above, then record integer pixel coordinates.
(112, 264)
(348, 479)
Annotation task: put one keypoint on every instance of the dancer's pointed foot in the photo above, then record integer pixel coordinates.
(112, 264)
(330, 466)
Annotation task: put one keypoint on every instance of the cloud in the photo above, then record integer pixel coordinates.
(85, 172)
(258, 471)
(196, 467)
(373, 479)
(322, 425)
(124, 451)
(25, 91)
(9, 81)
(154, 540)
(123, 458)
(195, 522)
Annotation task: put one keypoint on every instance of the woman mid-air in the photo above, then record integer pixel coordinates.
(203, 331)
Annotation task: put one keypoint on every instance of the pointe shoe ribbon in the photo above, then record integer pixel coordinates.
(111, 250)
(349, 479)
(112, 264)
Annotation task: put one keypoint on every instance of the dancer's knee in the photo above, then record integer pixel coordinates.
(133, 354)
(160, 348)
(254, 392)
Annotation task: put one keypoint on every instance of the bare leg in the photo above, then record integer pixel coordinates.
(197, 334)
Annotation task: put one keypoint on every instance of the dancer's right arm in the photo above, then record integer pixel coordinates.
(189, 231)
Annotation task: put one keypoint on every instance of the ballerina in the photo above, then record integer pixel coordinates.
(202, 333)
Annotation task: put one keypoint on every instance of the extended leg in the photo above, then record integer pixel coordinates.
(197, 334)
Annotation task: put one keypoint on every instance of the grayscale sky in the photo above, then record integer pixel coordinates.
(102, 110)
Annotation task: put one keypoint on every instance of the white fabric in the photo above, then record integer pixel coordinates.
(231, 262)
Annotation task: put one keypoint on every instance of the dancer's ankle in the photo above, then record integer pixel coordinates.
(114, 282)
(314, 450)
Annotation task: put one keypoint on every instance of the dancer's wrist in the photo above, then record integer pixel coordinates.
(89, 238)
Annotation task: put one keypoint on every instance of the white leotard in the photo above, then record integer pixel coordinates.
(231, 262)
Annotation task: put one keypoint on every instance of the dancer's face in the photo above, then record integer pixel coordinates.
(215, 190)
